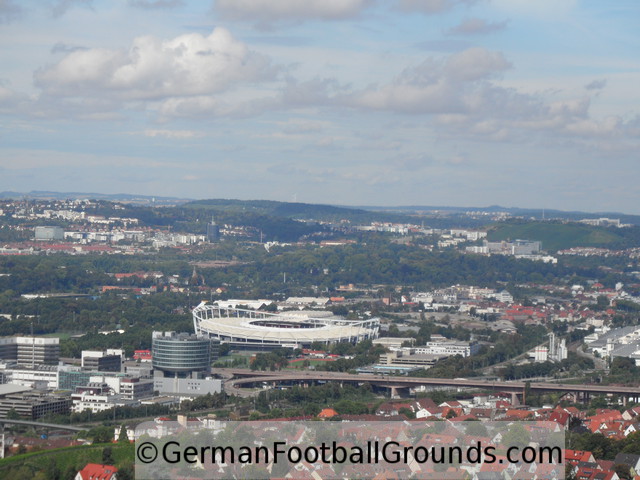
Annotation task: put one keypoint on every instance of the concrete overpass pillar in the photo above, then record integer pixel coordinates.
(515, 401)
(584, 396)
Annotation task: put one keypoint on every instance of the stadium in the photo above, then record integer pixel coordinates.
(251, 329)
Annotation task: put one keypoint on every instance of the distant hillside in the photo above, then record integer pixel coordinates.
(558, 236)
(116, 197)
(438, 216)
(528, 213)
(295, 211)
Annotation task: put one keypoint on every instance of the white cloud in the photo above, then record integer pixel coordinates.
(173, 134)
(268, 11)
(318, 91)
(154, 4)
(60, 7)
(460, 159)
(17, 159)
(10, 99)
(477, 26)
(411, 162)
(302, 126)
(62, 47)
(607, 127)
(431, 6)
(204, 106)
(529, 120)
(537, 8)
(151, 68)
(475, 64)
(5, 94)
(596, 84)
(457, 84)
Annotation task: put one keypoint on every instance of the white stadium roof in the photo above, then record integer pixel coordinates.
(242, 327)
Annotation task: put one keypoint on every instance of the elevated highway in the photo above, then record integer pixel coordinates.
(53, 426)
(239, 378)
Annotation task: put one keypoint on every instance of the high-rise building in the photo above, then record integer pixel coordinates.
(30, 351)
(180, 354)
(213, 232)
(182, 364)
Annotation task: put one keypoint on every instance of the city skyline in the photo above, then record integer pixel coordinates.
(356, 102)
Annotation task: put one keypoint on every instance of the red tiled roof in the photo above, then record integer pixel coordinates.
(93, 471)
(520, 414)
(577, 455)
(327, 413)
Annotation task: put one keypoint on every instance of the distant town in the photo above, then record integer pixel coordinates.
(112, 314)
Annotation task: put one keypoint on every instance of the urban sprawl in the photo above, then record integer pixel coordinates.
(207, 313)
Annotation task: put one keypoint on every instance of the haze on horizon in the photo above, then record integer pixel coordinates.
(352, 102)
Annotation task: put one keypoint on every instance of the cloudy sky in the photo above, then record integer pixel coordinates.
(528, 103)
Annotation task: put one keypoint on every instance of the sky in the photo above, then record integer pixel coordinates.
(519, 103)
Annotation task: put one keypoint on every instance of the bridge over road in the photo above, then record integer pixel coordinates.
(53, 426)
(241, 378)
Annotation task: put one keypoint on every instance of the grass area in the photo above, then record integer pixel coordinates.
(233, 356)
(64, 459)
(555, 236)
(227, 360)
(297, 364)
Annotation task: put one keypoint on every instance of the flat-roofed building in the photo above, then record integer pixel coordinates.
(98, 397)
(107, 361)
(8, 389)
(187, 387)
(49, 233)
(393, 342)
(71, 377)
(40, 376)
(30, 351)
(32, 405)
(132, 388)
(409, 360)
(439, 345)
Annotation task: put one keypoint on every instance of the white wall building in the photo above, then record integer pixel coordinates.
(441, 346)
(98, 402)
(504, 297)
(42, 376)
(186, 387)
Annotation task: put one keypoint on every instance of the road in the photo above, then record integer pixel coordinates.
(240, 378)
